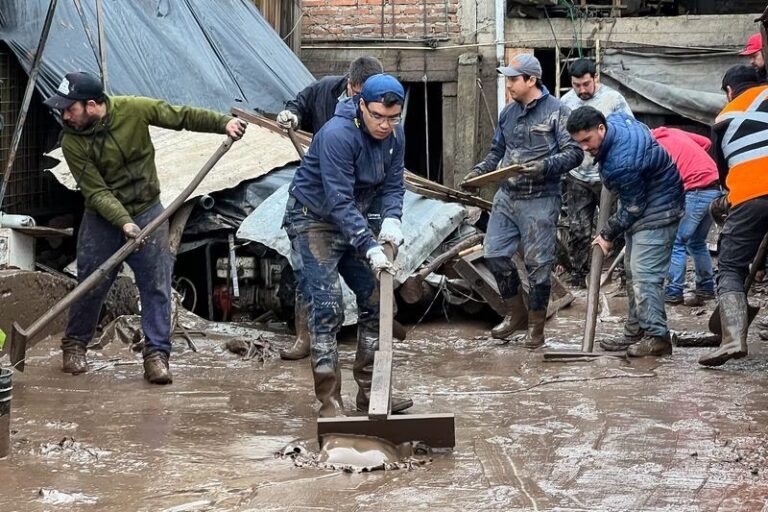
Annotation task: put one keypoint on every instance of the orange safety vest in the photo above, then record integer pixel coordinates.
(745, 147)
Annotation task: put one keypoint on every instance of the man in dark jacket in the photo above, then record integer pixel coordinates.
(740, 148)
(532, 132)
(316, 103)
(354, 162)
(651, 201)
(109, 152)
(311, 109)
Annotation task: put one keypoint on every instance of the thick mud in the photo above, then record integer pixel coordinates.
(609, 434)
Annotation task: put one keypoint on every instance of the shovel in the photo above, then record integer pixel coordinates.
(436, 430)
(593, 293)
(714, 320)
(21, 338)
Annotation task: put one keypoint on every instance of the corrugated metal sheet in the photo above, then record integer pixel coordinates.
(426, 223)
(179, 155)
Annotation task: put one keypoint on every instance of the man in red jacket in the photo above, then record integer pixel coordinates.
(700, 181)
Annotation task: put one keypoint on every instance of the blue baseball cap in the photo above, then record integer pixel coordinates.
(377, 86)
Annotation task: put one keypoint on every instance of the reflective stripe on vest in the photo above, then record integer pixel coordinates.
(747, 176)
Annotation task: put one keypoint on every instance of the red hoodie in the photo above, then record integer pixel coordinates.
(689, 151)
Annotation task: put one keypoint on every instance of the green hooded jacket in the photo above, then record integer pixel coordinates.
(113, 161)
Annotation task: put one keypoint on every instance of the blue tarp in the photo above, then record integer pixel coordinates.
(211, 54)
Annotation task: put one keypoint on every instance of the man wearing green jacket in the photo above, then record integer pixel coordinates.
(108, 149)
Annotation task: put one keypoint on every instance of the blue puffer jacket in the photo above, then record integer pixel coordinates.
(533, 132)
(636, 168)
(346, 170)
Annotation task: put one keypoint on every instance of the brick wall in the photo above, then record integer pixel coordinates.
(362, 19)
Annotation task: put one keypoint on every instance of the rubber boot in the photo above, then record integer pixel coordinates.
(73, 357)
(367, 344)
(300, 348)
(328, 391)
(156, 369)
(535, 336)
(516, 319)
(733, 318)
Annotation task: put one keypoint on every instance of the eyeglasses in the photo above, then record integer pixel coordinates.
(391, 120)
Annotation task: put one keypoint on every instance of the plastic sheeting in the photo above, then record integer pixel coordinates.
(425, 224)
(193, 52)
(657, 81)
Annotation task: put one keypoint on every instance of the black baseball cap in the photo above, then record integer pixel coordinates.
(80, 86)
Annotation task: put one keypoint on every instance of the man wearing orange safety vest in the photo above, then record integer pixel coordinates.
(740, 148)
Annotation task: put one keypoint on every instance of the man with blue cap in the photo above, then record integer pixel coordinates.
(532, 133)
(354, 162)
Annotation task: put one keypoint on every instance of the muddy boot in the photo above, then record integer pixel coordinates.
(156, 369)
(73, 357)
(733, 318)
(516, 319)
(651, 346)
(328, 391)
(367, 343)
(300, 348)
(623, 343)
(535, 336)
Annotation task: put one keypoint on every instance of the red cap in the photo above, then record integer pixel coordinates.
(754, 45)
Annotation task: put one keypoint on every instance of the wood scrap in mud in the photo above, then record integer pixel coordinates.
(430, 189)
(695, 339)
(249, 348)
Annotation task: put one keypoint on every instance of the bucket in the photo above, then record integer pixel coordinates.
(6, 390)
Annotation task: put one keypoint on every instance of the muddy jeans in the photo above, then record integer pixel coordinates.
(744, 229)
(646, 261)
(319, 253)
(532, 223)
(152, 266)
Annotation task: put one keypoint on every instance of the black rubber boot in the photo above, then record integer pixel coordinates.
(515, 320)
(300, 348)
(733, 318)
(73, 357)
(156, 369)
(535, 336)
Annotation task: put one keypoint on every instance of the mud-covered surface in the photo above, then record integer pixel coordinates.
(609, 434)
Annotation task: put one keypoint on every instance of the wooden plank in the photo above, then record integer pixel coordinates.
(436, 430)
(381, 385)
(494, 176)
(386, 309)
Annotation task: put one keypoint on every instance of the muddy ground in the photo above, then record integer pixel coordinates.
(611, 434)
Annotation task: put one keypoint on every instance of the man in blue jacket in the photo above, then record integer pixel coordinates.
(532, 132)
(310, 110)
(354, 162)
(651, 201)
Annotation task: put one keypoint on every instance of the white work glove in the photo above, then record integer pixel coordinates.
(287, 119)
(391, 232)
(379, 261)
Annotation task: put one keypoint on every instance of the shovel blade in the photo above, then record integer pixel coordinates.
(714, 320)
(435, 430)
(19, 339)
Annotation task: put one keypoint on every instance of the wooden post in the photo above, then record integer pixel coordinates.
(467, 108)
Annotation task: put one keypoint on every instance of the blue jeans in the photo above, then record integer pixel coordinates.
(646, 262)
(691, 240)
(319, 254)
(532, 223)
(152, 266)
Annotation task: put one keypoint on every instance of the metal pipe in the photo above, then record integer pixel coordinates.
(499, 25)
(102, 45)
(206, 202)
(16, 139)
